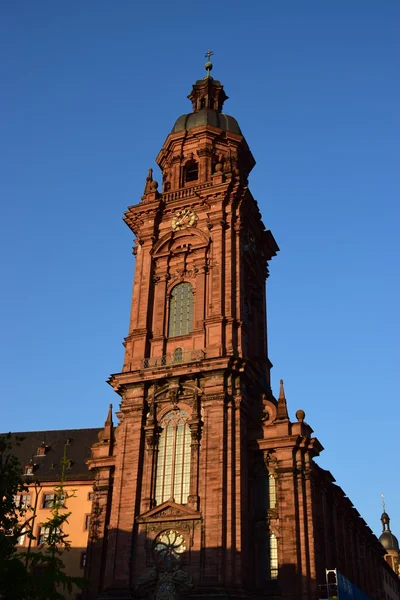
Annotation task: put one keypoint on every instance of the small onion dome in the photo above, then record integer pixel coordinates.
(385, 519)
(389, 541)
(206, 116)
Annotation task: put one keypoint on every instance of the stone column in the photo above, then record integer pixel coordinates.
(152, 434)
(212, 489)
(97, 541)
(195, 431)
(125, 493)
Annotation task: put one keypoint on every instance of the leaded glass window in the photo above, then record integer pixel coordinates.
(271, 491)
(173, 460)
(178, 355)
(273, 556)
(181, 310)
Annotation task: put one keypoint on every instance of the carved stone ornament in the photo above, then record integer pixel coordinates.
(269, 411)
(186, 526)
(161, 585)
(182, 273)
(169, 512)
(173, 398)
(152, 439)
(270, 460)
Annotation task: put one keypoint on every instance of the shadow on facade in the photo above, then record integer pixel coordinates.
(74, 561)
(162, 567)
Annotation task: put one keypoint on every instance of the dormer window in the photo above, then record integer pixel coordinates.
(28, 470)
(191, 171)
(41, 451)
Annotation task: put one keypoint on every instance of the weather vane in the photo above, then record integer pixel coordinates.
(208, 64)
(383, 502)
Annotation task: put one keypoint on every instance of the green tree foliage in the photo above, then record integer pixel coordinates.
(13, 521)
(38, 574)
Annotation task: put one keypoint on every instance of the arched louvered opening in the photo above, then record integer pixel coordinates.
(191, 171)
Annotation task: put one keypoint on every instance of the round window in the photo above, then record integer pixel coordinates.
(168, 549)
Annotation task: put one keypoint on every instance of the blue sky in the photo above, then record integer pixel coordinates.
(91, 89)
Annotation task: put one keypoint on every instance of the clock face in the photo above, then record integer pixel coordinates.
(183, 218)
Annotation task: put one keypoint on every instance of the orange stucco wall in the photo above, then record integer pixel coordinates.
(79, 504)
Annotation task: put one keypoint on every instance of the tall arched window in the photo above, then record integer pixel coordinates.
(181, 310)
(273, 556)
(173, 460)
(271, 491)
(191, 171)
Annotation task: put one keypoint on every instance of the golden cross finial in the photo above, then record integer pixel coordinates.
(208, 64)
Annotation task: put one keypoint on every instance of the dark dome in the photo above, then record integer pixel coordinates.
(389, 541)
(385, 518)
(206, 116)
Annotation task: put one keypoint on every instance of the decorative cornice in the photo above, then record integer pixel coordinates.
(169, 511)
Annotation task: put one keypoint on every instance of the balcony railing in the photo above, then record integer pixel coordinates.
(184, 192)
(176, 358)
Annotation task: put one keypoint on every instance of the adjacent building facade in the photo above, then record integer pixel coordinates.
(46, 456)
(206, 488)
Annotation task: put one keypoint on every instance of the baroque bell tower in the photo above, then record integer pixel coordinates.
(178, 485)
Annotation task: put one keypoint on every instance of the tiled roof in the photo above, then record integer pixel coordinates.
(48, 466)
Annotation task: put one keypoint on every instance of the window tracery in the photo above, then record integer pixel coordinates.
(173, 460)
(168, 549)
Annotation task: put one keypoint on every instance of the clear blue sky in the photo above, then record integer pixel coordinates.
(91, 89)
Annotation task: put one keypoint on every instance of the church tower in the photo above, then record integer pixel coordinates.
(182, 485)
(389, 542)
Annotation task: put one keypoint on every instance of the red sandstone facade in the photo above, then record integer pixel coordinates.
(206, 488)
